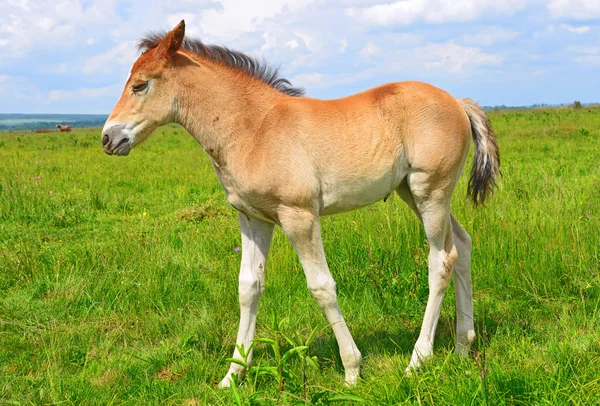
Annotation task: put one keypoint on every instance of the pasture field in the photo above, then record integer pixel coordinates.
(118, 280)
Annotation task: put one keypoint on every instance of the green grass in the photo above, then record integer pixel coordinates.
(118, 279)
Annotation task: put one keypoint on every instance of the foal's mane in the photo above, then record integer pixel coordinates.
(240, 61)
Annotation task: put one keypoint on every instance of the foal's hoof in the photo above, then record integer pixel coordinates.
(351, 378)
(464, 342)
(232, 378)
(412, 368)
(229, 380)
(225, 383)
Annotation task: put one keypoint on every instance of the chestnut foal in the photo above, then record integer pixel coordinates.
(286, 160)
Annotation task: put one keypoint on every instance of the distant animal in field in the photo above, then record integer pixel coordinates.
(64, 128)
(286, 160)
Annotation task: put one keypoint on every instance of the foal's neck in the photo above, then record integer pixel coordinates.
(222, 109)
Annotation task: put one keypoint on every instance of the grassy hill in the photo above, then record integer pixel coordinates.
(119, 280)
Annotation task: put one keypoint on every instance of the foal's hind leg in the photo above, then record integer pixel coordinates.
(465, 330)
(433, 205)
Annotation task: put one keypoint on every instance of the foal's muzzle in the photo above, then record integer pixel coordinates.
(116, 140)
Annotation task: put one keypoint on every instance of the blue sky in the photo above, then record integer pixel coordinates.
(73, 56)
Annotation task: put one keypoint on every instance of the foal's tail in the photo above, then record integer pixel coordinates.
(486, 165)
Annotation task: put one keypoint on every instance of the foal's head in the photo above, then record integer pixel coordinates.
(148, 99)
(158, 79)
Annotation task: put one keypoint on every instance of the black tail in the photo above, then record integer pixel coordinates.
(486, 165)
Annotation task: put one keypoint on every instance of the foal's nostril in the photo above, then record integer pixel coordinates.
(123, 141)
(105, 140)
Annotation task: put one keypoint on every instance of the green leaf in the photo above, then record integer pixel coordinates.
(268, 371)
(237, 400)
(283, 323)
(289, 340)
(292, 351)
(316, 397)
(245, 351)
(311, 362)
(237, 361)
(312, 335)
(298, 340)
(266, 341)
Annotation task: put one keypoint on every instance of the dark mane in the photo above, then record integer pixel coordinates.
(235, 59)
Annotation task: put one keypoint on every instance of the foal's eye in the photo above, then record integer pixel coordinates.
(139, 87)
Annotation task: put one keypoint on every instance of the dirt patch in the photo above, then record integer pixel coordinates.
(109, 377)
(167, 375)
(199, 213)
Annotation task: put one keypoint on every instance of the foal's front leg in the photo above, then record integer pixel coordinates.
(303, 230)
(256, 240)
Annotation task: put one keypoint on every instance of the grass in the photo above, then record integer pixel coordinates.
(118, 281)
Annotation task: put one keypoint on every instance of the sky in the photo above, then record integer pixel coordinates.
(73, 56)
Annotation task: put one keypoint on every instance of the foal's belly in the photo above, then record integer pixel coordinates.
(351, 194)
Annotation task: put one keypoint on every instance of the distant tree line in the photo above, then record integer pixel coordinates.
(33, 122)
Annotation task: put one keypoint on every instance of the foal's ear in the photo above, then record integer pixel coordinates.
(172, 41)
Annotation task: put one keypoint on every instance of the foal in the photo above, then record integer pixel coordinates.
(64, 128)
(286, 160)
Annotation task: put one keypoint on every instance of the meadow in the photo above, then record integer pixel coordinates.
(118, 280)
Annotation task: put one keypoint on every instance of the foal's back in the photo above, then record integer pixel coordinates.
(350, 152)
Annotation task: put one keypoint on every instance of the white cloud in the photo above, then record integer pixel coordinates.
(405, 39)
(116, 59)
(316, 80)
(589, 60)
(369, 50)
(583, 49)
(292, 44)
(81, 93)
(343, 46)
(3, 83)
(407, 12)
(576, 30)
(22, 4)
(586, 55)
(454, 58)
(270, 41)
(577, 9)
(58, 68)
(490, 36)
(307, 39)
(48, 25)
(20, 91)
(237, 17)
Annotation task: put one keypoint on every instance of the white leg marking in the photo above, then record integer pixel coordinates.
(256, 240)
(303, 230)
(465, 330)
(434, 210)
